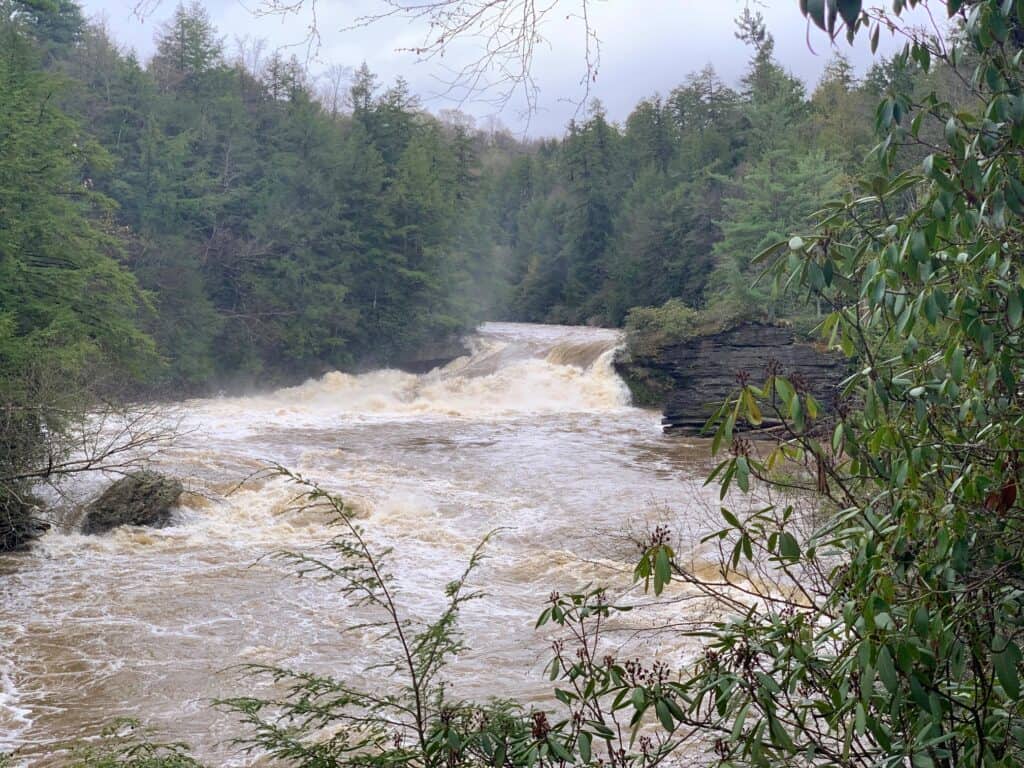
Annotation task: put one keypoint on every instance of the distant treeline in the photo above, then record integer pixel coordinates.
(208, 219)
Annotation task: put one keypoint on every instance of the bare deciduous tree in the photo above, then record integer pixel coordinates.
(332, 88)
(249, 53)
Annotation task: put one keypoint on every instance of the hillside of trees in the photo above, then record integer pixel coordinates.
(218, 218)
(258, 228)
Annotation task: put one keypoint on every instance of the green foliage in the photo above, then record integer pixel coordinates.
(894, 635)
(278, 239)
(775, 197)
(124, 744)
(650, 328)
(67, 304)
(679, 201)
(867, 606)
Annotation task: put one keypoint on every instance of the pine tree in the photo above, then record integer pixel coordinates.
(770, 202)
(68, 308)
(775, 99)
(841, 114)
(187, 46)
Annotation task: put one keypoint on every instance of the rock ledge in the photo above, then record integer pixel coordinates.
(690, 378)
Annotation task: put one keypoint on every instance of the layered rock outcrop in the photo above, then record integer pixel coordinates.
(691, 378)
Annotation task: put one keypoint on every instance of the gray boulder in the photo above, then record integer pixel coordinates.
(144, 498)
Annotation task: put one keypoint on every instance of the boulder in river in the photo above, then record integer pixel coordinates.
(19, 522)
(144, 498)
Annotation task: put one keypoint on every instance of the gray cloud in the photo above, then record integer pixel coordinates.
(647, 47)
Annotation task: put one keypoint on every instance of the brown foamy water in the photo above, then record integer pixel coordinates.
(532, 433)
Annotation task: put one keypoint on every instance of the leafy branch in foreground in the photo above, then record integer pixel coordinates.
(405, 718)
(895, 639)
(123, 744)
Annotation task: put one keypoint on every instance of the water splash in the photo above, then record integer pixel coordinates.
(514, 370)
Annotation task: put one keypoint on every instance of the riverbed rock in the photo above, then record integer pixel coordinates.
(434, 354)
(20, 522)
(426, 357)
(144, 498)
(691, 378)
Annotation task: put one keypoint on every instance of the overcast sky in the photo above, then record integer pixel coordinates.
(647, 47)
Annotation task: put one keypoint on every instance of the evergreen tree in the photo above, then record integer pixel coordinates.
(186, 47)
(591, 155)
(68, 308)
(841, 114)
(776, 103)
(773, 200)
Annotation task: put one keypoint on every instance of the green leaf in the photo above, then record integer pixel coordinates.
(1014, 309)
(816, 10)
(558, 748)
(956, 364)
(662, 569)
(753, 411)
(583, 741)
(887, 670)
(664, 716)
(737, 725)
(849, 11)
(743, 473)
(789, 548)
(918, 245)
(638, 699)
(785, 390)
(1005, 664)
(812, 406)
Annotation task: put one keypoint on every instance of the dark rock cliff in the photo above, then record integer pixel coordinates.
(433, 355)
(691, 378)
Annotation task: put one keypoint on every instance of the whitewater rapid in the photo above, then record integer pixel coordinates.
(532, 433)
(512, 370)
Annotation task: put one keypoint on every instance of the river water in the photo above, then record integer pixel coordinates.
(532, 434)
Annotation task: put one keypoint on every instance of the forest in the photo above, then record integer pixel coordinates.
(219, 219)
(235, 228)
(216, 219)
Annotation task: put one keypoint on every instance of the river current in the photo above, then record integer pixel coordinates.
(532, 434)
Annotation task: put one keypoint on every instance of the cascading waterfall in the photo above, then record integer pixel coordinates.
(531, 433)
(514, 370)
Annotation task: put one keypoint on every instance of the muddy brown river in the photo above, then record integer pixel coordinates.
(532, 434)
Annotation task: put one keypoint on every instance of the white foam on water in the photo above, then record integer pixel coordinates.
(514, 370)
(531, 433)
(15, 718)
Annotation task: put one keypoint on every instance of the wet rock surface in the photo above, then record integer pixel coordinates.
(695, 376)
(144, 498)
